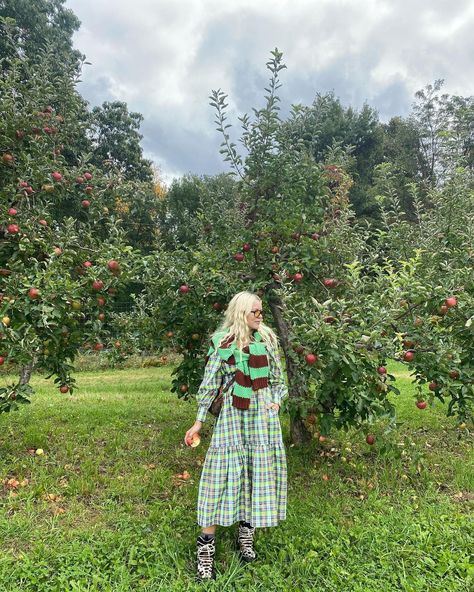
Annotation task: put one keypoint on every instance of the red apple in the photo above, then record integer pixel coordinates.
(113, 265)
(443, 309)
(85, 203)
(246, 247)
(296, 235)
(97, 285)
(2, 360)
(13, 229)
(217, 306)
(64, 388)
(56, 176)
(33, 293)
(370, 439)
(275, 250)
(299, 349)
(43, 222)
(454, 374)
(315, 236)
(433, 386)
(184, 289)
(87, 176)
(87, 264)
(239, 257)
(184, 388)
(101, 316)
(98, 346)
(421, 404)
(330, 282)
(88, 189)
(7, 158)
(451, 301)
(408, 356)
(101, 301)
(298, 277)
(382, 370)
(111, 291)
(20, 134)
(12, 212)
(311, 359)
(79, 180)
(23, 184)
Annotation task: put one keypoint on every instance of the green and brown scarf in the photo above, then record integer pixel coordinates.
(252, 365)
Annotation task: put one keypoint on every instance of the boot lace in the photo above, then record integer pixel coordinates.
(246, 541)
(205, 558)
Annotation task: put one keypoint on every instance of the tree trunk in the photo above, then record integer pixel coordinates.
(298, 433)
(26, 372)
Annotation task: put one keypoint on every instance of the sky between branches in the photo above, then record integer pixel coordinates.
(163, 57)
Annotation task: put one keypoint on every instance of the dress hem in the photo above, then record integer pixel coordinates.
(273, 524)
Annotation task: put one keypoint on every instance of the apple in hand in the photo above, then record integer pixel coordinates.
(194, 441)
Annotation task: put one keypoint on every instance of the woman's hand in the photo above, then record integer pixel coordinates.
(188, 438)
(274, 406)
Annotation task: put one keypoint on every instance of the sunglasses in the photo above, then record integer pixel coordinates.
(257, 313)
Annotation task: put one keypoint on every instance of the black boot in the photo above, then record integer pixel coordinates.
(245, 542)
(206, 550)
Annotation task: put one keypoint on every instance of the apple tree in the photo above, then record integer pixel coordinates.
(330, 285)
(62, 255)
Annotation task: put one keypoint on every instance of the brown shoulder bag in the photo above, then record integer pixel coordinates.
(216, 404)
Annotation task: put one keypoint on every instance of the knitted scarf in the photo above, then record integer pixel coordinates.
(252, 366)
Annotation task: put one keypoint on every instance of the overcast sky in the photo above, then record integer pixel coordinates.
(163, 57)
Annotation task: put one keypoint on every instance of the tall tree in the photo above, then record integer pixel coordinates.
(41, 23)
(326, 124)
(116, 140)
(180, 209)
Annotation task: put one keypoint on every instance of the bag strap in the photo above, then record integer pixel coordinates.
(229, 384)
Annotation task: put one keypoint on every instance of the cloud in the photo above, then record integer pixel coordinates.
(164, 57)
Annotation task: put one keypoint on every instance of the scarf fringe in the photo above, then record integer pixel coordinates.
(240, 402)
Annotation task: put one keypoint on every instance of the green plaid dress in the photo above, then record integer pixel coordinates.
(244, 475)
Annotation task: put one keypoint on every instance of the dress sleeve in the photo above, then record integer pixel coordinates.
(276, 380)
(209, 386)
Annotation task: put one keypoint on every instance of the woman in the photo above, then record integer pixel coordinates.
(244, 476)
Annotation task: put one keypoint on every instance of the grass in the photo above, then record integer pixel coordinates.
(103, 509)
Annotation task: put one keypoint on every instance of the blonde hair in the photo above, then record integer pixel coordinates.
(235, 322)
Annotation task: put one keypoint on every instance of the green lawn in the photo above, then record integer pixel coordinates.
(103, 509)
